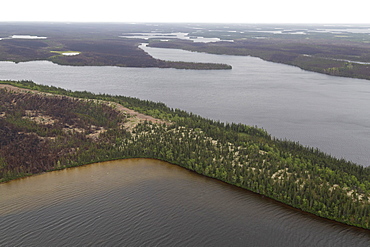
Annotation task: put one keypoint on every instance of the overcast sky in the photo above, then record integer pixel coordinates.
(220, 11)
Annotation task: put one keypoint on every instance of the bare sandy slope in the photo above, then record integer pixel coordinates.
(134, 117)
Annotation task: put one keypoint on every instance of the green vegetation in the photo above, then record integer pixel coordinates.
(340, 52)
(332, 59)
(195, 66)
(42, 132)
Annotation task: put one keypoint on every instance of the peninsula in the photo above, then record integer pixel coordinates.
(45, 128)
(82, 45)
(339, 50)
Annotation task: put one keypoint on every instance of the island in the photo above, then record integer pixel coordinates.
(45, 128)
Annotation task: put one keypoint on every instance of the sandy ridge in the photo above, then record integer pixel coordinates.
(135, 117)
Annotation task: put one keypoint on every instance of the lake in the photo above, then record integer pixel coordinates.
(317, 110)
(145, 202)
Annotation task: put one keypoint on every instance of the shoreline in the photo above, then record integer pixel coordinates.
(143, 135)
(277, 202)
(323, 65)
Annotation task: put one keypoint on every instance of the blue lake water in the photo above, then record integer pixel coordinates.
(317, 110)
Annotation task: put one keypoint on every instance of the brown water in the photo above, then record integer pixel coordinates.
(143, 202)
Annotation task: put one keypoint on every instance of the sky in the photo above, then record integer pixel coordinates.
(198, 11)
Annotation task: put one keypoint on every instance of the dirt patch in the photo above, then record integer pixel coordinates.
(134, 117)
(39, 118)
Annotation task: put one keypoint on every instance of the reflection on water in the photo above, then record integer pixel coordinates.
(141, 202)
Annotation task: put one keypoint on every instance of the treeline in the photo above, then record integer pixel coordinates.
(191, 65)
(241, 155)
(309, 55)
(260, 166)
(93, 52)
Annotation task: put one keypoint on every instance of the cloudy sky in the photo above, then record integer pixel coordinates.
(221, 11)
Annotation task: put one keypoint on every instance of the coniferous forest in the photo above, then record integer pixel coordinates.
(46, 128)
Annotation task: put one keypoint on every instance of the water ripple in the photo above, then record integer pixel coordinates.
(150, 203)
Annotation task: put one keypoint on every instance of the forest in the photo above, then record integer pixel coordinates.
(332, 58)
(340, 50)
(98, 47)
(45, 128)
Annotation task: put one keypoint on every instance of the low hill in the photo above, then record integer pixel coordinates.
(45, 128)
